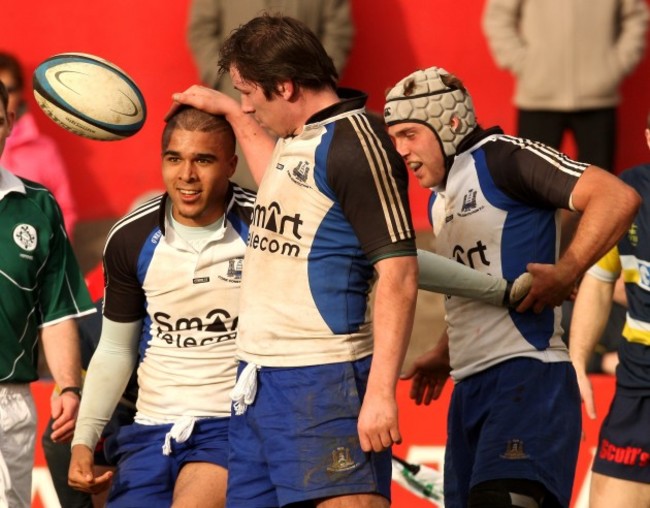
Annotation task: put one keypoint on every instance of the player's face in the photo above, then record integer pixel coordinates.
(421, 151)
(6, 121)
(15, 94)
(272, 114)
(196, 169)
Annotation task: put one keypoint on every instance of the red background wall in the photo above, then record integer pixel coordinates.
(147, 39)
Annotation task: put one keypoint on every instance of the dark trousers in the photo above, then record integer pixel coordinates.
(57, 456)
(594, 131)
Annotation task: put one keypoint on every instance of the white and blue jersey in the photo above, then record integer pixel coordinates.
(332, 202)
(497, 212)
(188, 300)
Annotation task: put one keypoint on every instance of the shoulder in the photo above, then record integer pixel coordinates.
(138, 224)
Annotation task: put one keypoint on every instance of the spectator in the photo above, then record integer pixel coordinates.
(569, 58)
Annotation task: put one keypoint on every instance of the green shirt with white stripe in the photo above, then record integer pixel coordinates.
(40, 280)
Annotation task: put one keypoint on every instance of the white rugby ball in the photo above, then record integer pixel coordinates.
(89, 96)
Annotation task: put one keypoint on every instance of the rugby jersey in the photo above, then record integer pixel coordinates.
(632, 256)
(332, 202)
(497, 212)
(189, 304)
(40, 280)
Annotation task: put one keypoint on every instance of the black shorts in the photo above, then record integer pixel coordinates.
(624, 441)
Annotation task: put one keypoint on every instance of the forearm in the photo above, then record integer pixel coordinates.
(256, 143)
(590, 313)
(61, 348)
(108, 374)
(394, 309)
(441, 275)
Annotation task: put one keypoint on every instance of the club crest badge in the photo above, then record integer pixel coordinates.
(25, 237)
(515, 450)
(341, 461)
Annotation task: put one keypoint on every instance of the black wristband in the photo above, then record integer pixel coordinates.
(74, 389)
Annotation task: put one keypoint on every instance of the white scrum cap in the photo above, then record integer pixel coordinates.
(423, 97)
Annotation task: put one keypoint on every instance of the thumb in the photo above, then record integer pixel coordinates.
(408, 373)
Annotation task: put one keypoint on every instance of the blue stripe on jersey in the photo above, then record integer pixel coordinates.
(144, 261)
(432, 200)
(529, 235)
(240, 226)
(336, 263)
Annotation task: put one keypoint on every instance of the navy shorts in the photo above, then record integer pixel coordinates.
(624, 440)
(520, 419)
(298, 440)
(146, 477)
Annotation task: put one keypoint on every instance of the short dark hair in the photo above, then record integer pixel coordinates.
(9, 62)
(270, 49)
(194, 120)
(4, 96)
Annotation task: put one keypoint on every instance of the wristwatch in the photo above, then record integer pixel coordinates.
(74, 389)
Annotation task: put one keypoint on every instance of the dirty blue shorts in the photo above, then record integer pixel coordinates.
(298, 440)
(520, 419)
(146, 477)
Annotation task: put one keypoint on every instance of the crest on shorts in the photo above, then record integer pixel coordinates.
(341, 460)
(515, 450)
(25, 237)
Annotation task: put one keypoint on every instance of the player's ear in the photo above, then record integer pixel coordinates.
(647, 137)
(455, 123)
(286, 89)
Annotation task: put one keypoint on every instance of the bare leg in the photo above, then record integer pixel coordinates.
(200, 485)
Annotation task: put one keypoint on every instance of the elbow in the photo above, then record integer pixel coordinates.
(633, 201)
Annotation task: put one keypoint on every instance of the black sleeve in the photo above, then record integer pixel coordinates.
(370, 182)
(532, 172)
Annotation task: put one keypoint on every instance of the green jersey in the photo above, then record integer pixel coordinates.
(40, 280)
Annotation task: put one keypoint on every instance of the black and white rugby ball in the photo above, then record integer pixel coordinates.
(89, 96)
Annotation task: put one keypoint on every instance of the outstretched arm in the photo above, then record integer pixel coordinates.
(256, 143)
(441, 275)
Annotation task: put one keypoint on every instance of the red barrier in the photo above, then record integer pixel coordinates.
(423, 428)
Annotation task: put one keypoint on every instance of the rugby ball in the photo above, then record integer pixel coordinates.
(89, 96)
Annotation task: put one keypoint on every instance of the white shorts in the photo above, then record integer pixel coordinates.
(17, 438)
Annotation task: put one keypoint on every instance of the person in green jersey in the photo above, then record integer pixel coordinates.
(42, 291)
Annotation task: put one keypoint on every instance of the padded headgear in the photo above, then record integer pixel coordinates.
(423, 97)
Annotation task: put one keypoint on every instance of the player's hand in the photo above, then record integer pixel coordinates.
(80, 474)
(205, 99)
(64, 409)
(550, 287)
(429, 373)
(586, 393)
(377, 425)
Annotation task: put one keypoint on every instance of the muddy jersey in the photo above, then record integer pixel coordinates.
(189, 304)
(497, 213)
(632, 256)
(40, 280)
(332, 202)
